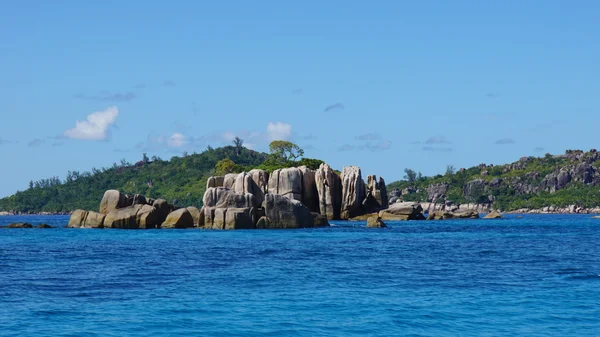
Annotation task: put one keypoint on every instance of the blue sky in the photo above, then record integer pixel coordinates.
(384, 85)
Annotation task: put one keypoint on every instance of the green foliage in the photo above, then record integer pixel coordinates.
(284, 151)
(410, 175)
(182, 179)
(225, 166)
(312, 164)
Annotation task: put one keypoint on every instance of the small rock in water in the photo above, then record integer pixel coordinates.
(43, 226)
(20, 225)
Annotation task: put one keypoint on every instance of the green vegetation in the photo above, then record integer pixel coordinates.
(181, 180)
(508, 192)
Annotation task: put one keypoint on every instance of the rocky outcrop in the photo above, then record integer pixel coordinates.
(229, 180)
(329, 190)
(375, 222)
(493, 215)
(195, 214)
(443, 215)
(286, 182)
(353, 192)
(437, 192)
(86, 219)
(163, 209)
(232, 218)
(111, 201)
(148, 217)
(20, 225)
(403, 211)
(310, 196)
(281, 212)
(124, 218)
(474, 188)
(376, 195)
(216, 181)
(180, 218)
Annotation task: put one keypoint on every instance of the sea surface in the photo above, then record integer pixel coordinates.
(532, 276)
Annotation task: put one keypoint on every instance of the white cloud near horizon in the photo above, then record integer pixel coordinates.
(95, 127)
(176, 140)
(279, 131)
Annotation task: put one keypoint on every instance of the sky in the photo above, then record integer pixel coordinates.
(385, 85)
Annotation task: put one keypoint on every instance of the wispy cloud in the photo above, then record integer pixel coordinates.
(334, 107)
(372, 146)
(279, 131)
(108, 97)
(95, 127)
(491, 95)
(368, 136)
(539, 149)
(6, 141)
(36, 142)
(169, 83)
(436, 149)
(505, 141)
(298, 91)
(437, 140)
(140, 86)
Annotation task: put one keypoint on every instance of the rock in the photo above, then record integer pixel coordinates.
(163, 209)
(437, 192)
(394, 200)
(94, 220)
(218, 221)
(493, 215)
(263, 223)
(20, 225)
(443, 215)
(148, 217)
(239, 218)
(329, 190)
(310, 196)
(376, 197)
(229, 180)
(319, 220)
(286, 182)
(562, 179)
(43, 226)
(180, 218)
(282, 212)
(353, 192)
(209, 216)
(375, 222)
(111, 201)
(474, 188)
(125, 218)
(139, 199)
(260, 178)
(216, 181)
(77, 218)
(403, 211)
(195, 214)
(214, 195)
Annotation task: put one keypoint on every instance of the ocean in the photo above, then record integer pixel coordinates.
(532, 276)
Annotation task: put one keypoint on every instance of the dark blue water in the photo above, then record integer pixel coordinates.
(538, 275)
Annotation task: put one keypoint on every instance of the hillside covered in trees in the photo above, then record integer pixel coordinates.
(563, 180)
(180, 180)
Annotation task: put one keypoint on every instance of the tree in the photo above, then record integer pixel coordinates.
(145, 158)
(225, 166)
(31, 184)
(450, 170)
(238, 143)
(410, 176)
(285, 151)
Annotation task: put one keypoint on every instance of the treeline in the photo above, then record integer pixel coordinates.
(180, 180)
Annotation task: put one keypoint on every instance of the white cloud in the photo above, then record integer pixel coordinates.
(96, 125)
(176, 140)
(278, 131)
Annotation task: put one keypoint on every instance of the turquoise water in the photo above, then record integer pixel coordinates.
(537, 276)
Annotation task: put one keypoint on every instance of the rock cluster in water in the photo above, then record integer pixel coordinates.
(293, 197)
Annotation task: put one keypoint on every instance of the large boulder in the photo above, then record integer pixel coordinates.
(310, 196)
(319, 220)
(195, 214)
(329, 190)
(286, 182)
(229, 180)
(180, 218)
(353, 192)
(77, 218)
(403, 211)
(125, 218)
(94, 220)
(437, 192)
(474, 188)
(112, 200)
(493, 215)
(148, 217)
(239, 218)
(376, 197)
(375, 222)
(163, 209)
(254, 182)
(138, 199)
(443, 215)
(84, 219)
(216, 181)
(282, 212)
(214, 195)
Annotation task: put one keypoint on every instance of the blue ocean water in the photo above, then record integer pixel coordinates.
(537, 275)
